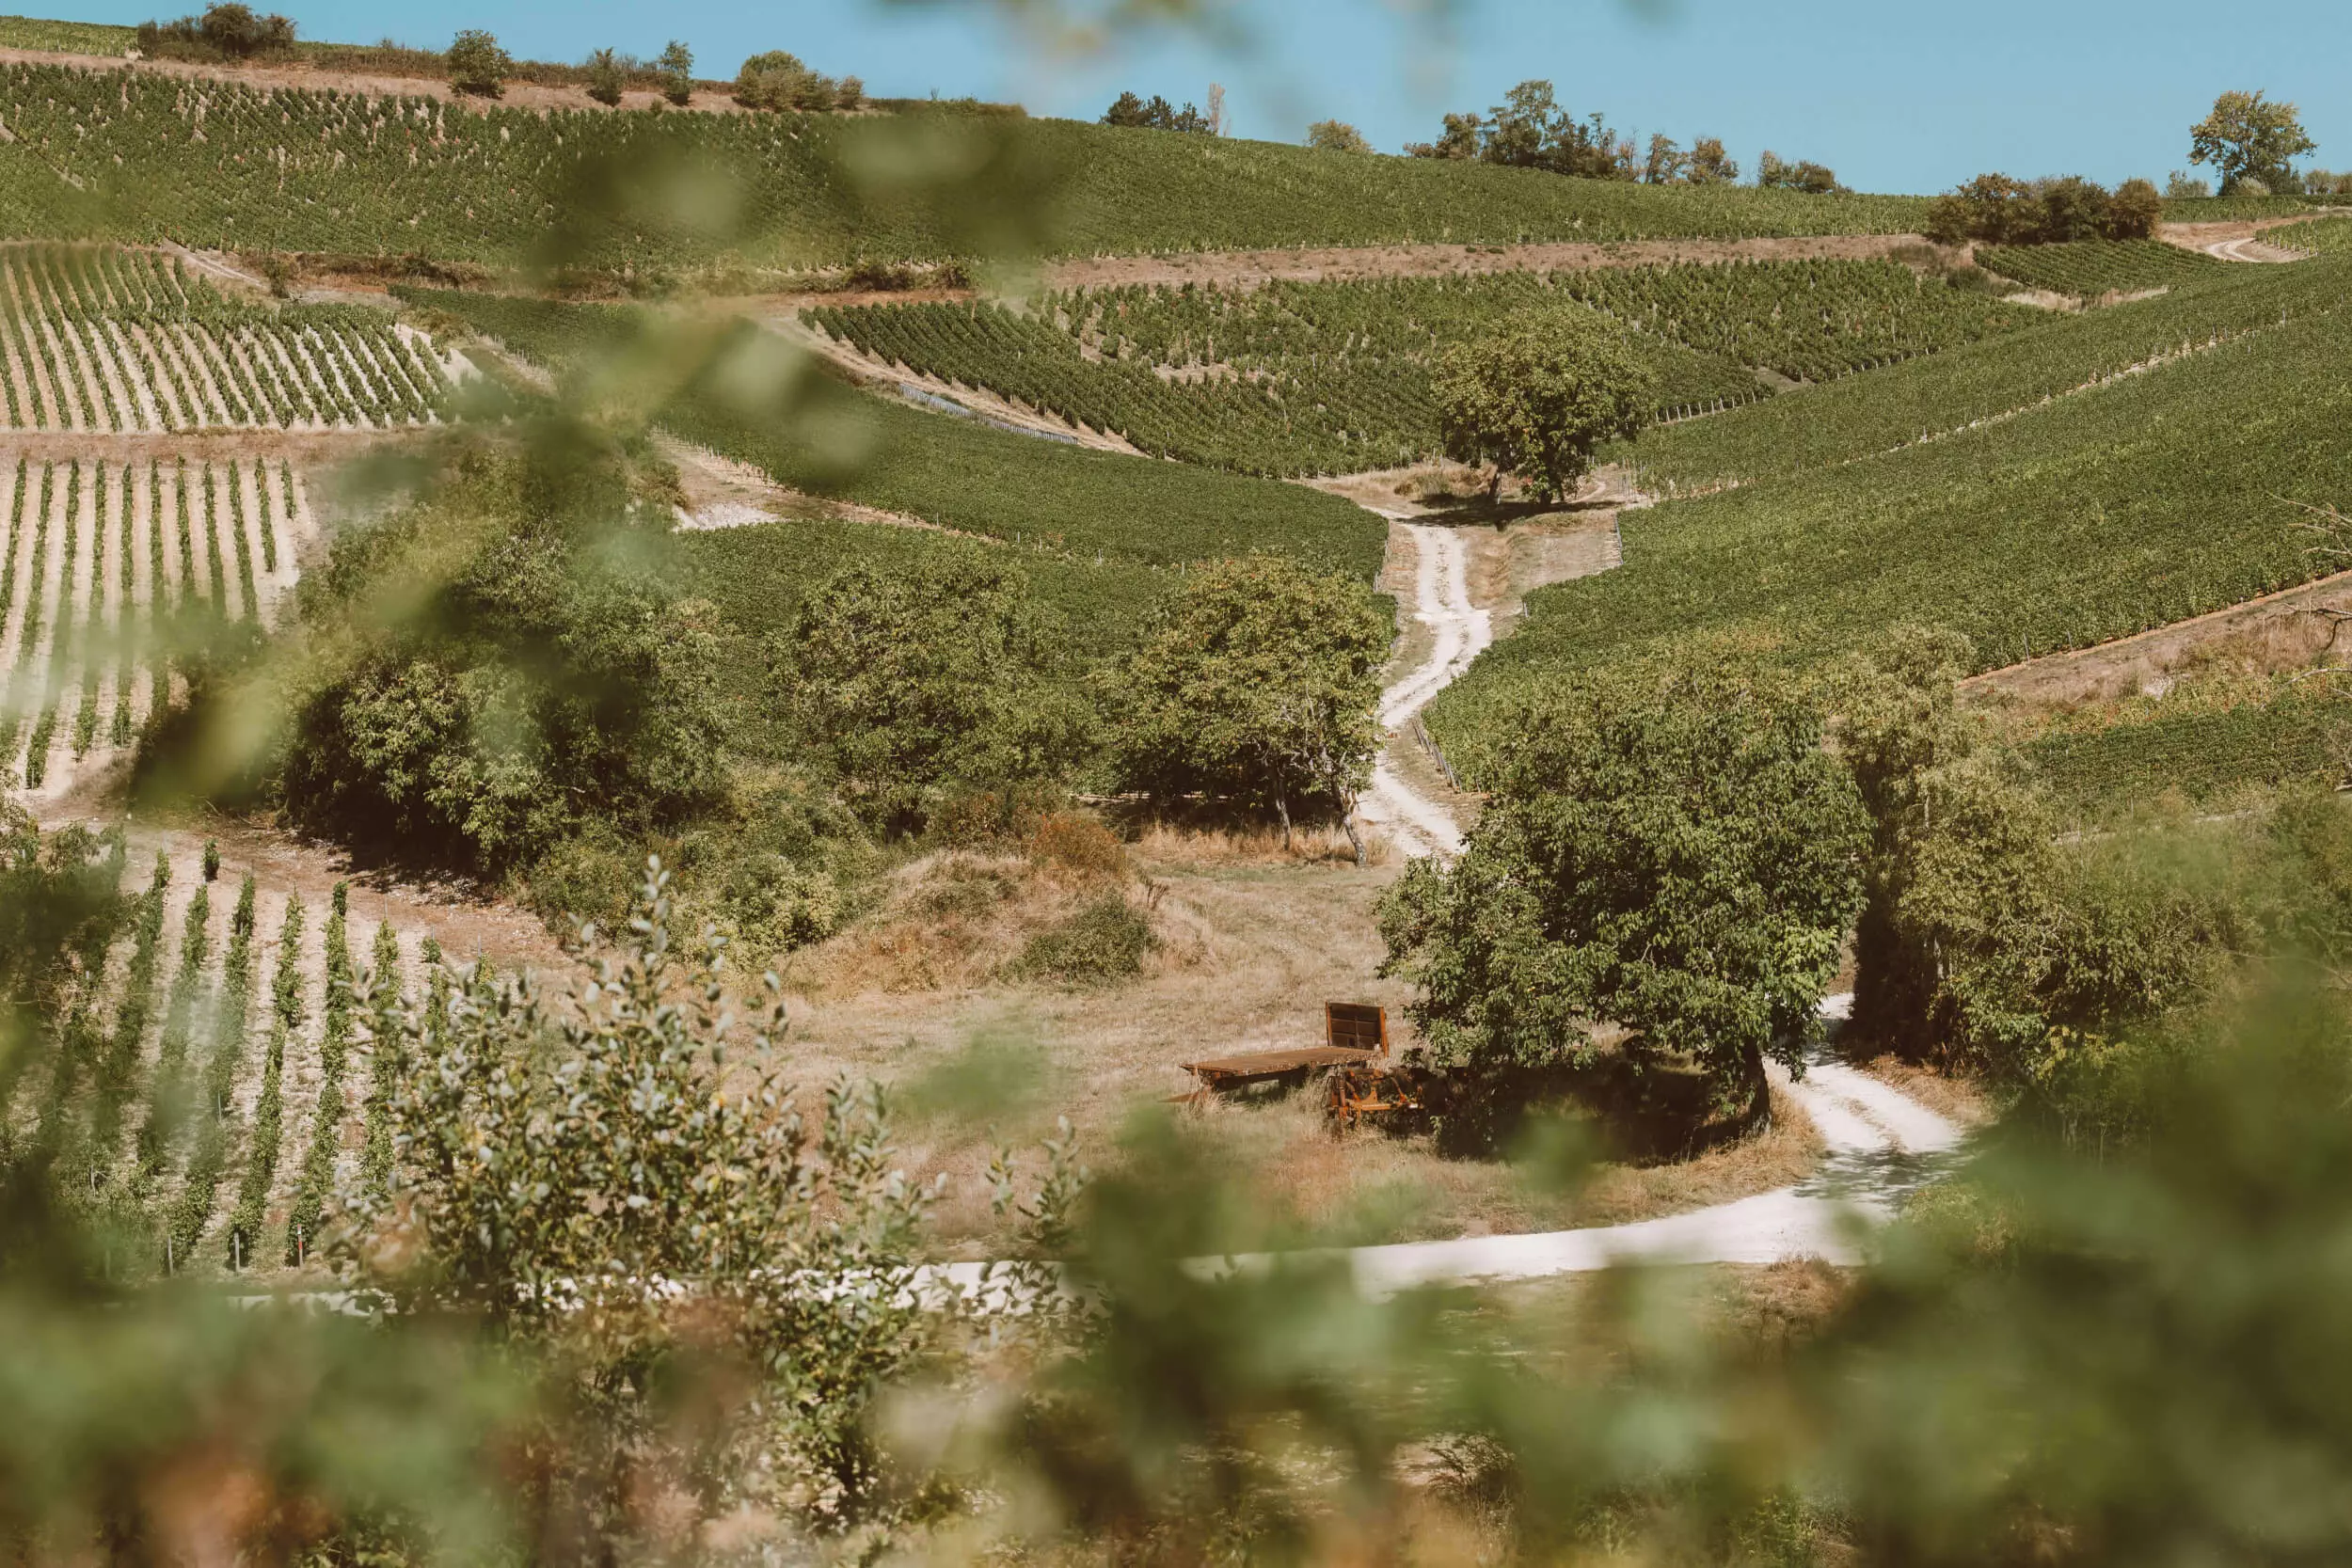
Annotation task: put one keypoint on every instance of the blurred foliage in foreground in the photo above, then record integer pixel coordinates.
(2134, 1357)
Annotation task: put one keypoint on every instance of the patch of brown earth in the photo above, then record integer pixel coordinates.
(2287, 630)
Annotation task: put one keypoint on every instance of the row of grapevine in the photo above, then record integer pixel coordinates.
(2089, 268)
(1299, 378)
(2157, 499)
(962, 474)
(2299, 734)
(96, 339)
(1951, 392)
(111, 575)
(141, 157)
(203, 1102)
(2326, 237)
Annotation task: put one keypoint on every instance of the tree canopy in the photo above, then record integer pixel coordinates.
(2248, 136)
(1537, 397)
(1670, 850)
(1256, 682)
(912, 680)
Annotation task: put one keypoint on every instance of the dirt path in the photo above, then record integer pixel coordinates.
(1882, 1147)
(1460, 631)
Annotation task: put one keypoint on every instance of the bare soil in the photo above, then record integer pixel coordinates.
(2203, 236)
(2277, 632)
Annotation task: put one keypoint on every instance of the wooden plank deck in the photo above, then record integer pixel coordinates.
(1254, 1066)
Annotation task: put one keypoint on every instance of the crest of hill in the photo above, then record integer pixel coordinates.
(126, 153)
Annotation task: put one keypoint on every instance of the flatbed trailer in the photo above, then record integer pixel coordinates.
(1362, 1079)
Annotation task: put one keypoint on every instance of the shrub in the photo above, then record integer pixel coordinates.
(477, 65)
(676, 69)
(2135, 212)
(778, 80)
(1079, 843)
(605, 78)
(1105, 942)
(1336, 135)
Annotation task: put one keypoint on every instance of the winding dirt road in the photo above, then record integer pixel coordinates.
(1880, 1144)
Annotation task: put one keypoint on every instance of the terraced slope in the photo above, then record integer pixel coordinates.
(1944, 395)
(2154, 499)
(2093, 267)
(110, 575)
(813, 433)
(1333, 377)
(97, 338)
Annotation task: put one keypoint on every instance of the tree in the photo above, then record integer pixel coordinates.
(1667, 163)
(2072, 209)
(1156, 115)
(1255, 682)
(779, 80)
(1537, 397)
(1711, 165)
(231, 31)
(605, 78)
(2248, 138)
(913, 680)
(1459, 143)
(545, 677)
(1772, 172)
(477, 65)
(1336, 135)
(1666, 849)
(2134, 210)
(675, 65)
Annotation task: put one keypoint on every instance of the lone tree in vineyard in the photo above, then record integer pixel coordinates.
(1538, 396)
(477, 65)
(2249, 137)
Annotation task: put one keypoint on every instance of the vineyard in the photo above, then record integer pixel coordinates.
(2157, 498)
(1321, 378)
(958, 473)
(116, 573)
(97, 338)
(1947, 393)
(2324, 237)
(217, 1078)
(139, 156)
(2089, 268)
(2299, 737)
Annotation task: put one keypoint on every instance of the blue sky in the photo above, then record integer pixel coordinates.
(1897, 95)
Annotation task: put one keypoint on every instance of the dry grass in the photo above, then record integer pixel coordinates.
(1252, 942)
(1959, 1099)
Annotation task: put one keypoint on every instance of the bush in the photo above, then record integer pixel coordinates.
(1106, 942)
(778, 80)
(477, 65)
(1336, 135)
(605, 78)
(676, 69)
(544, 675)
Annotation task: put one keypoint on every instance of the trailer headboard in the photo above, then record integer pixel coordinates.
(1355, 1026)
